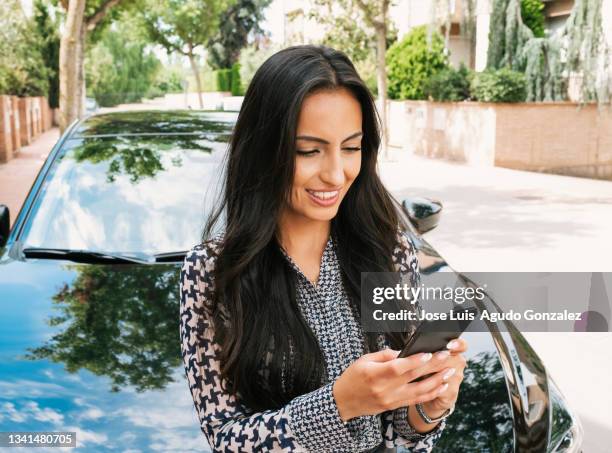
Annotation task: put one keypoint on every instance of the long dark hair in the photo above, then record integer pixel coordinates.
(255, 307)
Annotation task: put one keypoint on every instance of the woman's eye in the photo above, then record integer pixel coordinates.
(353, 149)
(302, 152)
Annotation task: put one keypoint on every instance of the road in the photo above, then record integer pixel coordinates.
(496, 219)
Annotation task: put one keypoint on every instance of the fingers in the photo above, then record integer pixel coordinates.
(440, 360)
(401, 367)
(384, 355)
(388, 365)
(457, 345)
(398, 371)
(425, 390)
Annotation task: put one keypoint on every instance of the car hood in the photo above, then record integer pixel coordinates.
(94, 349)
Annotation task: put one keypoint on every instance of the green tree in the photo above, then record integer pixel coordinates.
(238, 21)
(412, 61)
(22, 67)
(117, 324)
(532, 13)
(183, 26)
(83, 18)
(120, 70)
(576, 49)
(47, 29)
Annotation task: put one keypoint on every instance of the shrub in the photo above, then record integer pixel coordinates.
(501, 85)
(223, 79)
(449, 85)
(236, 85)
(411, 62)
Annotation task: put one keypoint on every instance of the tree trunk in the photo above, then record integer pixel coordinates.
(81, 72)
(381, 83)
(70, 49)
(194, 68)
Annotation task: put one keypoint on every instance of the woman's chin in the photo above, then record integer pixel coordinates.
(321, 214)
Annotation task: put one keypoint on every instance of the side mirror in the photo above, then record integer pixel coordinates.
(424, 213)
(5, 224)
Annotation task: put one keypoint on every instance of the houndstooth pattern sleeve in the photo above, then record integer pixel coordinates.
(309, 422)
(396, 429)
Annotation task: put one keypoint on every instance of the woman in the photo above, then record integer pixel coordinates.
(270, 334)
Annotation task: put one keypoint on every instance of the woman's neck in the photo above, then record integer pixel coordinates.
(300, 236)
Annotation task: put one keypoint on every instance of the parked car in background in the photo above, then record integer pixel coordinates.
(89, 300)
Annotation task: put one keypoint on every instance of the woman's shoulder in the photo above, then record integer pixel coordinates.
(405, 252)
(200, 259)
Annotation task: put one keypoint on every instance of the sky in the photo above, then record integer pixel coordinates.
(274, 20)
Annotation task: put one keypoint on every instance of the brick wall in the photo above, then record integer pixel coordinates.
(6, 139)
(22, 120)
(561, 138)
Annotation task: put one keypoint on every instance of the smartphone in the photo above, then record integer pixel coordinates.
(432, 336)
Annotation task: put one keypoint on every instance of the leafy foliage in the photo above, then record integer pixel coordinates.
(577, 50)
(236, 85)
(412, 61)
(182, 25)
(120, 71)
(349, 31)
(532, 13)
(166, 80)
(223, 79)
(502, 85)
(47, 29)
(22, 67)
(449, 85)
(116, 324)
(239, 20)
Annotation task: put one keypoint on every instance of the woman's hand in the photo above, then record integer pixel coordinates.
(380, 381)
(436, 407)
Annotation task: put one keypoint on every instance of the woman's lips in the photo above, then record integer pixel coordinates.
(324, 197)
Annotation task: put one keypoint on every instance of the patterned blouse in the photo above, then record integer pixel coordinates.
(309, 422)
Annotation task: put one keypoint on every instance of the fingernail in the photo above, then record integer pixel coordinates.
(443, 388)
(448, 374)
(452, 344)
(442, 355)
(426, 357)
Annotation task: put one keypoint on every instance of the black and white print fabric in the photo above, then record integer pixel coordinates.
(310, 422)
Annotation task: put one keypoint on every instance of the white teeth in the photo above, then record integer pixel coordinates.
(324, 195)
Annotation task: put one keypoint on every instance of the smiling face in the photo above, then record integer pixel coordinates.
(328, 154)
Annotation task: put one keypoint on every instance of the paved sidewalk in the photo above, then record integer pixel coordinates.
(497, 219)
(18, 174)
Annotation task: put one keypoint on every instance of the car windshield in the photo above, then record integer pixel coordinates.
(128, 194)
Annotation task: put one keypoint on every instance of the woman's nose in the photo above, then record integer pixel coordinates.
(333, 168)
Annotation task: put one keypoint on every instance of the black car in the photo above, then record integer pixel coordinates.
(89, 331)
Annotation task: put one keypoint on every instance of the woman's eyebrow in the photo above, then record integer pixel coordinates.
(320, 140)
